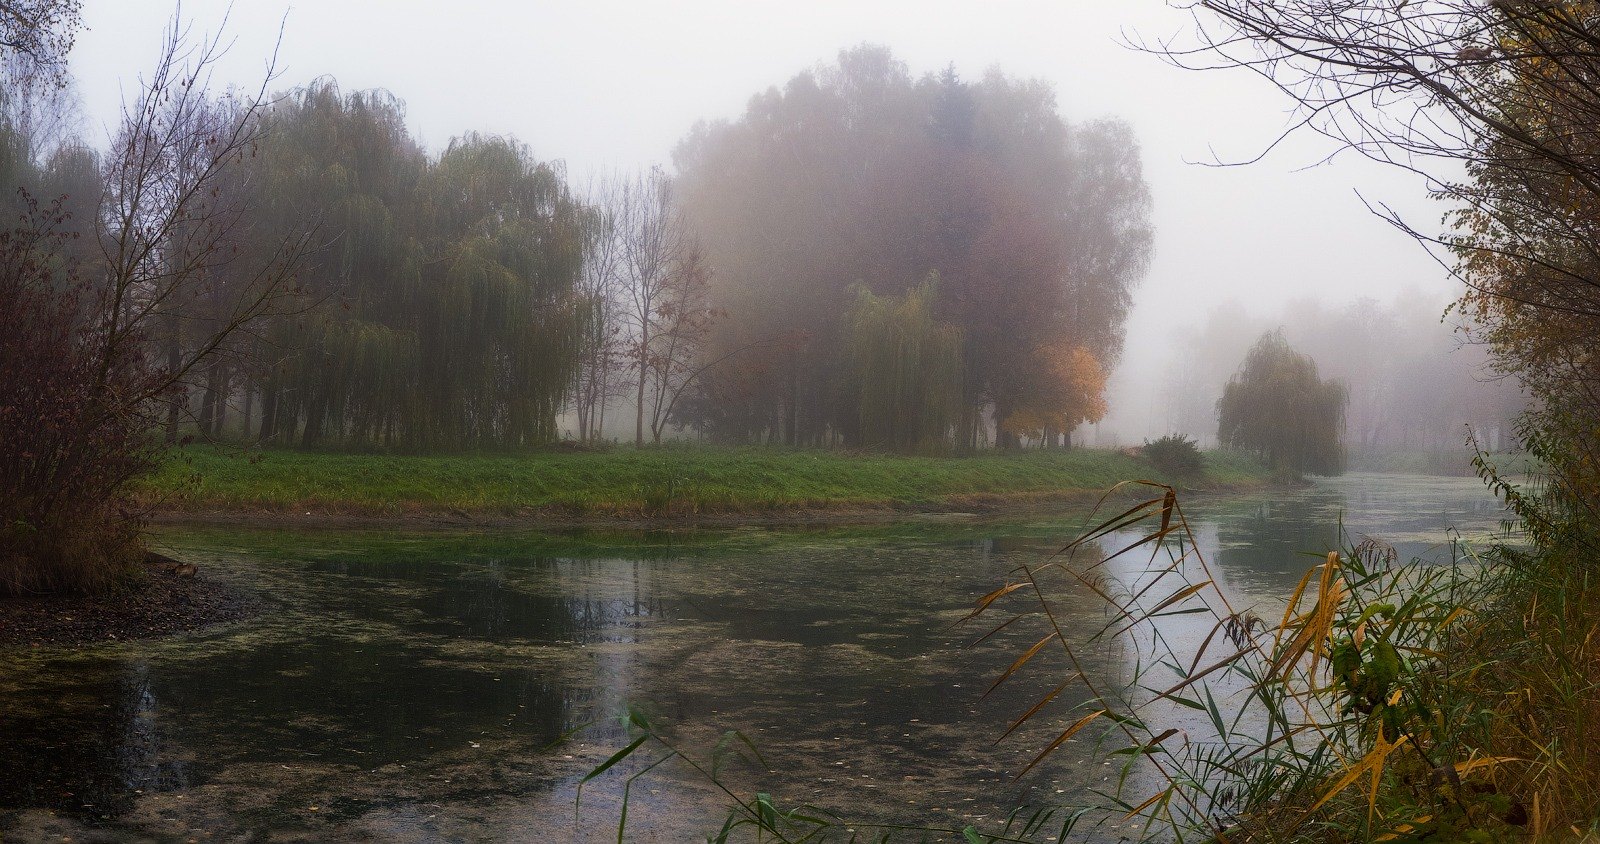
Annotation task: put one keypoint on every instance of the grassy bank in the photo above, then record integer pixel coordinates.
(671, 482)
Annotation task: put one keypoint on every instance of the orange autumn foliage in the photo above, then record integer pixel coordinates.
(1068, 391)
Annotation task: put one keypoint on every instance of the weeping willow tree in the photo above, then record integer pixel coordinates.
(345, 370)
(903, 373)
(447, 317)
(501, 339)
(1277, 407)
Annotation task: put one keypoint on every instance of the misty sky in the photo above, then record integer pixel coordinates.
(606, 85)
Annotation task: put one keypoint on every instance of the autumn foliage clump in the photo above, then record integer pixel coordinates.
(68, 444)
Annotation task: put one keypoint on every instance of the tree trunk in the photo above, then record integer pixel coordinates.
(224, 390)
(208, 402)
(313, 429)
(269, 412)
(580, 403)
(599, 413)
(181, 395)
(644, 356)
(791, 410)
(1003, 439)
(247, 410)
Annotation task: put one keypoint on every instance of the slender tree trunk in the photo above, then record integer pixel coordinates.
(247, 410)
(180, 396)
(208, 402)
(602, 395)
(269, 412)
(224, 391)
(791, 410)
(313, 429)
(1003, 439)
(644, 356)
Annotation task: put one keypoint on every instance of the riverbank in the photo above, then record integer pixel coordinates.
(164, 598)
(624, 486)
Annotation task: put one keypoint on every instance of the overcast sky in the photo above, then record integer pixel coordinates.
(616, 84)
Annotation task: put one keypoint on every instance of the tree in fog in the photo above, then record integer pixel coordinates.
(1496, 101)
(602, 359)
(902, 371)
(347, 164)
(39, 34)
(664, 296)
(1415, 383)
(859, 173)
(1277, 407)
(86, 366)
(450, 315)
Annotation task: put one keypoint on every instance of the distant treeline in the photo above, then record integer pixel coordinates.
(1416, 381)
(864, 258)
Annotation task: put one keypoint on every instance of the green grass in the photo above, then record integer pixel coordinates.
(654, 482)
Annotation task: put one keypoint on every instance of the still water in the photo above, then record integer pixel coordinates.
(457, 687)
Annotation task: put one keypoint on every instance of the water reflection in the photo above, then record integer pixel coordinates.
(416, 682)
(87, 748)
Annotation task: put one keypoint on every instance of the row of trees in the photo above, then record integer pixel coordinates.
(470, 299)
(458, 301)
(865, 258)
(463, 300)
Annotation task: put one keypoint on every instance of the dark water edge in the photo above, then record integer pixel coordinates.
(410, 687)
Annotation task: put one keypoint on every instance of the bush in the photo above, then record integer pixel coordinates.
(1175, 455)
(68, 446)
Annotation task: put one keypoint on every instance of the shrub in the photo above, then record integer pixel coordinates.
(68, 446)
(1175, 455)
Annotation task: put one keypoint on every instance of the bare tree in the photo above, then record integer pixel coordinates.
(684, 318)
(655, 246)
(181, 260)
(99, 342)
(41, 113)
(41, 34)
(601, 288)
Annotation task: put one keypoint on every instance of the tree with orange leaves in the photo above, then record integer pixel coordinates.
(1069, 390)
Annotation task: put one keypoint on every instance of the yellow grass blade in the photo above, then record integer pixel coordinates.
(1373, 759)
(1022, 660)
(1062, 739)
(1146, 804)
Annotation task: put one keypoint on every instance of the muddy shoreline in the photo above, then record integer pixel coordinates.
(155, 603)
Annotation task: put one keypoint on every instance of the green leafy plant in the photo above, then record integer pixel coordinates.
(1175, 455)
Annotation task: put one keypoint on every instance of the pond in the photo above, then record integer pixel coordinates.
(457, 687)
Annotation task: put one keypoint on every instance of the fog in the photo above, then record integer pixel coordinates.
(609, 85)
